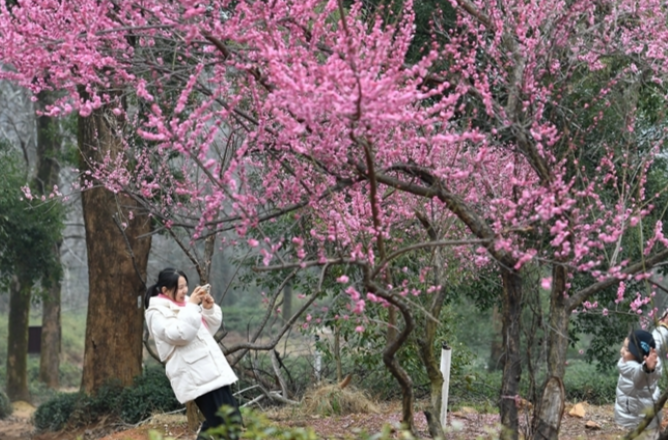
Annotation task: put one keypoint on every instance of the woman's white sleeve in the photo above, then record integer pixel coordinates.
(213, 317)
(176, 330)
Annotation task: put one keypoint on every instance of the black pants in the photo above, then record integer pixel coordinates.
(210, 403)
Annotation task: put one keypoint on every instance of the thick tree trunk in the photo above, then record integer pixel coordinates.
(116, 266)
(496, 360)
(49, 362)
(512, 368)
(17, 346)
(48, 168)
(547, 417)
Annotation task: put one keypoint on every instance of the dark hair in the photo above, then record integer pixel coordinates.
(168, 278)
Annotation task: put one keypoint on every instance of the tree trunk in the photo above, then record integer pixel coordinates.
(547, 417)
(426, 345)
(496, 359)
(512, 368)
(392, 364)
(17, 340)
(431, 364)
(116, 265)
(550, 410)
(49, 143)
(287, 302)
(405, 383)
(49, 361)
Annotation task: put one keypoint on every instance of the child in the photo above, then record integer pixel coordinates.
(639, 372)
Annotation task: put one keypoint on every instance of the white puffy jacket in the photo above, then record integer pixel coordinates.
(195, 363)
(637, 390)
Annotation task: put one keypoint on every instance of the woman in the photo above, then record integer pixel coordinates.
(183, 327)
(637, 391)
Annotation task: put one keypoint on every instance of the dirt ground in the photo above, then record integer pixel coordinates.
(463, 424)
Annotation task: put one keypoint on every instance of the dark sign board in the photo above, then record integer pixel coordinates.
(34, 339)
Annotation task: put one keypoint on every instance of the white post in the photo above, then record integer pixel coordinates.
(446, 355)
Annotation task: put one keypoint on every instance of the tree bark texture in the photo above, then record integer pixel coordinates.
(496, 360)
(431, 364)
(116, 266)
(392, 364)
(17, 340)
(427, 339)
(551, 408)
(512, 368)
(49, 361)
(547, 417)
(49, 145)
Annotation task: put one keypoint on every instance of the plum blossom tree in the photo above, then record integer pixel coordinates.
(496, 125)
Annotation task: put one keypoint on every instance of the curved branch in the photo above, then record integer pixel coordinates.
(246, 346)
(581, 295)
(305, 264)
(427, 244)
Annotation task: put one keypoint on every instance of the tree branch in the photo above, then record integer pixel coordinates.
(579, 297)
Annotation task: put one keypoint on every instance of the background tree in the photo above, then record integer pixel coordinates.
(26, 230)
(46, 181)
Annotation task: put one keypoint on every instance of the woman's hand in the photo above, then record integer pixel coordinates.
(198, 295)
(207, 301)
(651, 359)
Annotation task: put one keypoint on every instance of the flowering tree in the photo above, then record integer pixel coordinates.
(495, 126)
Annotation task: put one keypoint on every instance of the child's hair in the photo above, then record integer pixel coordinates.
(168, 278)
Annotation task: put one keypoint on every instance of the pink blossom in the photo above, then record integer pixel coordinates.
(546, 283)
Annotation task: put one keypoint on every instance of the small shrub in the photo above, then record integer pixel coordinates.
(150, 393)
(478, 388)
(333, 400)
(54, 414)
(5, 406)
(583, 382)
